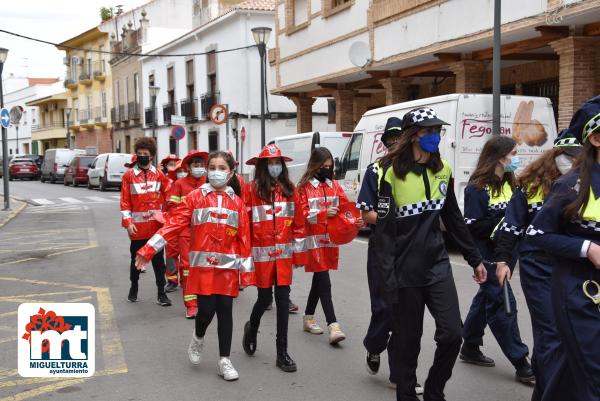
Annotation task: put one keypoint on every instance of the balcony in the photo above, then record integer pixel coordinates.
(99, 70)
(49, 131)
(122, 113)
(168, 111)
(133, 110)
(100, 117)
(188, 109)
(85, 119)
(207, 101)
(43, 127)
(71, 83)
(114, 114)
(85, 79)
(149, 115)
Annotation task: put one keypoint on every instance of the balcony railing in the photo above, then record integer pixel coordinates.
(188, 109)
(99, 115)
(149, 114)
(168, 110)
(113, 114)
(99, 69)
(207, 101)
(84, 116)
(43, 127)
(84, 77)
(133, 110)
(122, 113)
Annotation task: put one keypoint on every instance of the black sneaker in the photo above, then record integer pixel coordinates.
(163, 300)
(472, 354)
(249, 339)
(524, 373)
(285, 363)
(170, 287)
(132, 297)
(373, 362)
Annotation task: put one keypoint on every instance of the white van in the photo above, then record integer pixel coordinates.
(56, 161)
(107, 170)
(529, 120)
(300, 146)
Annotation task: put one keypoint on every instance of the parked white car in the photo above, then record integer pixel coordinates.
(107, 169)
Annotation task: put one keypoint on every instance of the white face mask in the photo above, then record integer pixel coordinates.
(218, 179)
(563, 163)
(198, 172)
(181, 174)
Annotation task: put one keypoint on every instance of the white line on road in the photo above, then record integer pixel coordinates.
(71, 200)
(116, 197)
(98, 199)
(43, 201)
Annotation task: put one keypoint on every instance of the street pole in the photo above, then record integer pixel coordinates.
(68, 138)
(17, 128)
(4, 148)
(154, 124)
(496, 70)
(227, 128)
(262, 50)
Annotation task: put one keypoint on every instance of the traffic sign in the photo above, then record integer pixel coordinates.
(5, 118)
(218, 114)
(177, 120)
(178, 132)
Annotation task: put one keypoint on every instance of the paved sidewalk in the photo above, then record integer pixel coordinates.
(16, 206)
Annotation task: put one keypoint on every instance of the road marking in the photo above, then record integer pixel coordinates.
(70, 200)
(44, 389)
(98, 199)
(116, 197)
(43, 201)
(112, 349)
(362, 241)
(7, 314)
(7, 339)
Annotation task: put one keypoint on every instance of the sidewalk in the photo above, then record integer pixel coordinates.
(16, 206)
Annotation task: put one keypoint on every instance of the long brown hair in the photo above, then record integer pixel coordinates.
(233, 182)
(264, 181)
(583, 164)
(402, 158)
(484, 175)
(318, 156)
(540, 173)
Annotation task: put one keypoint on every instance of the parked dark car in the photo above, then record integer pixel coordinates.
(23, 168)
(76, 173)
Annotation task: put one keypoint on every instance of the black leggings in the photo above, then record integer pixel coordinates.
(223, 306)
(158, 264)
(321, 289)
(282, 300)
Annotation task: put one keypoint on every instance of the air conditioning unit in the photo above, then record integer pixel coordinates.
(66, 61)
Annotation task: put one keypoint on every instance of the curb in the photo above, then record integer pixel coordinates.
(13, 214)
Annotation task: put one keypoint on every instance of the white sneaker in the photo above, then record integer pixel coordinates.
(226, 370)
(195, 349)
(335, 333)
(310, 325)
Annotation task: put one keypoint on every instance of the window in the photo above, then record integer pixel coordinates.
(103, 104)
(89, 105)
(353, 156)
(136, 89)
(338, 3)
(300, 12)
(211, 72)
(330, 111)
(331, 7)
(213, 141)
(126, 90)
(127, 144)
(171, 85)
(89, 66)
(189, 79)
(118, 93)
(192, 141)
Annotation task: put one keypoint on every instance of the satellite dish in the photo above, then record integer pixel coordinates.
(359, 54)
(15, 114)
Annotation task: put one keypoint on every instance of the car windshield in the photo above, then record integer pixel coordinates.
(87, 160)
(22, 162)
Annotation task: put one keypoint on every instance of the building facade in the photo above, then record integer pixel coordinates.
(363, 54)
(50, 130)
(190, 85)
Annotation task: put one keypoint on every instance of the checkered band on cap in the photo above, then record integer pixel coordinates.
(592, 125)
(419, 208)
(567, 142)
(421, 115)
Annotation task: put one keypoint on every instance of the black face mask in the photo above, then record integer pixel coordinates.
(143, 161)
(324, 174)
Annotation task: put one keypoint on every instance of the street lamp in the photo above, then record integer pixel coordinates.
(261, 37)
(3, 54)
(68, 141)
(153, 90)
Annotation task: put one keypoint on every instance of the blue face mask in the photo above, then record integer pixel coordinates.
(430, 143)
(513, 165)
(275, 170)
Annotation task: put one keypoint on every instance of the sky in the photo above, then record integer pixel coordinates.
(54, 21)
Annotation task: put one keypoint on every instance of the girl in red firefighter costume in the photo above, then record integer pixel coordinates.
(220, 253)
(195, 164)
(320, 199)
(277, 243)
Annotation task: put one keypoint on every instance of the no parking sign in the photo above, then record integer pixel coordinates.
(178, 132)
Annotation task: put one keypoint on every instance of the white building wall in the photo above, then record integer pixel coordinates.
(238, 83)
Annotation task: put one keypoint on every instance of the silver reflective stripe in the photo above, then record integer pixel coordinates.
(246, 265)
(142, 217)
(316, 203)
(215, 215)
(312, 216)
(157, 242)
(299, 245)
(126, 214)
(319, 241)
(268, 253)
(139, 188)
(214, 260)
(265, 212)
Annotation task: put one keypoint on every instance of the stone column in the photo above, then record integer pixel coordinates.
(469, 76)
(303, 112)
(344, 110)
(396, 90)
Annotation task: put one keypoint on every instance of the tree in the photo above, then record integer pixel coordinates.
(106, 13)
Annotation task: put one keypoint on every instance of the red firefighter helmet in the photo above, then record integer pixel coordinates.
(131, 163)
(193, 154)
(173, 173)
(167, 159)
(342, 227)
(269, 152)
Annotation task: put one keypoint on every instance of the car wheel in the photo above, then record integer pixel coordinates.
(89, 185)
(52, 179)
(75, 184)
(42, 179)
(103, 186)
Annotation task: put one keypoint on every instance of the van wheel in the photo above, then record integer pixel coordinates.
(75, 183)
(103, 186)
(89, 185)
(65, 182)
(42, 179)
(52, 179)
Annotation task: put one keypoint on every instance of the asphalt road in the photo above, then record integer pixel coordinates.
(72, 249)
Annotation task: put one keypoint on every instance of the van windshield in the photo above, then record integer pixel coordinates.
(335, 144)
(296, 148)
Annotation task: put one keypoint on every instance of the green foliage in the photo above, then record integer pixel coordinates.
(106, 13)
